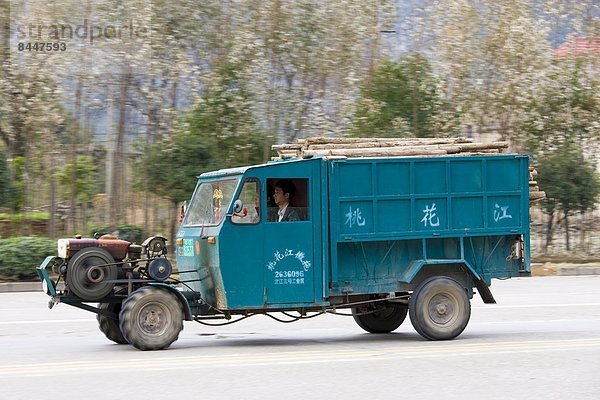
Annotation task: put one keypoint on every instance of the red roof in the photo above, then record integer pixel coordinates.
(581, 46)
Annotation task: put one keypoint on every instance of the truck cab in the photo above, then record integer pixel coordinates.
(247, 258)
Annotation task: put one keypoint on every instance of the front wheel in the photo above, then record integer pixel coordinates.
(439, 308)
(383, 320)
(151, 318)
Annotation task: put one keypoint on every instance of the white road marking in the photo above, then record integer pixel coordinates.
(46, 321)
(497, 306)
(426, 350)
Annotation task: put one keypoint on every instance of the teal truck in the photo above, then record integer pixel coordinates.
(380, 238)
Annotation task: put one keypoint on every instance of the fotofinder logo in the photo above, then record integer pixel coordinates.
(86, 31)
(111, 27)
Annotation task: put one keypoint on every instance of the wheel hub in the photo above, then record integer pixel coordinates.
(153, 319)
(95, 274)
(442, 310)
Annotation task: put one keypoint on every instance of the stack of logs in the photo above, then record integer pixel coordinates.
(395, 147)
(535, 194)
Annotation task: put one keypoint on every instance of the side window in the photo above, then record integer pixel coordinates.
(250, 197)
(287, 200)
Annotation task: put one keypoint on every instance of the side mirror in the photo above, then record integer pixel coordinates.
(238, 206)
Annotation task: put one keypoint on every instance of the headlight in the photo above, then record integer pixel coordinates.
(63, 248)
(45, 287)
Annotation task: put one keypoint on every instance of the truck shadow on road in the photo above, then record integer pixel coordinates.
(251, 339)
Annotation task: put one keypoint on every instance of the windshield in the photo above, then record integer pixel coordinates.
(210, 202)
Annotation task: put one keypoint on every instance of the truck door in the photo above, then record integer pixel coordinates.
(292, 243)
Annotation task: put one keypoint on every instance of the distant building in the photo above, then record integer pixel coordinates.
(589, 48)
(579, 47)
(583, 47)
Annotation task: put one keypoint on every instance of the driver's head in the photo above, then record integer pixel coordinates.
(284, 191)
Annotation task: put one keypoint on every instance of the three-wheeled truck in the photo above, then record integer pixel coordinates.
(382, 237)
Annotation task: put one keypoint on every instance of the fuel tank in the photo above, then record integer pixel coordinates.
(116, 247)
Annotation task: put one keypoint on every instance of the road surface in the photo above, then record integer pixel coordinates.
(541, 341)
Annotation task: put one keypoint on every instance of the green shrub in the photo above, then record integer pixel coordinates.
(27, 216)
(131, 233)
(20, 256)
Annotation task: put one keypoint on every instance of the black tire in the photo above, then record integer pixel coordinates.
(88, 275)
(439, 308)
(384, 320)
(151, 318)
(109, 326)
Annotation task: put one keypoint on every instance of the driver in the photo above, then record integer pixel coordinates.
(284, 191)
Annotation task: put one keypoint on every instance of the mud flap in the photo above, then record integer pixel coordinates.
(484, 292)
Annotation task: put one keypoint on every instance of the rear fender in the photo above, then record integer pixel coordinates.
(471, 277)
(187, 311)
(416, 266)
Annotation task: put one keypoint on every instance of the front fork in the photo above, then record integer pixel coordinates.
(48, 285)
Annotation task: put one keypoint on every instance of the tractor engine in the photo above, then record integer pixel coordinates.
(92, 268)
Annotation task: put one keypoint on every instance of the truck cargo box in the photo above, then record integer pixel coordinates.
(389, 217)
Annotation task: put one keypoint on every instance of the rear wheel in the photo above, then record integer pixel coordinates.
(439, 308)
(383, 320)
(110, 326)
(151, 318)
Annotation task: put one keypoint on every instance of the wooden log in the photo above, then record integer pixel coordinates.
(476, 146)
(337, 140)
(425, 148)
(376, 152)
(288, 150)
(450, 148)
(396, 149)
(286, 146)
(382, 143)
(537, 195)
(287, 156)
(493, 148)
(371, 153)
(357, 145)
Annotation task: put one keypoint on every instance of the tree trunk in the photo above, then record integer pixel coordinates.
(549, 231)
(84, 222)
(173, 220)
(415, 104)
(146, 223)
(72, 221)
(152, 132)
(582, 237)
(51, 221)
(118, 172)
(567, 232)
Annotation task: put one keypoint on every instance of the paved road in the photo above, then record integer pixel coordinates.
(541, 341)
